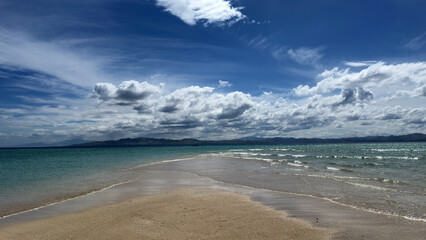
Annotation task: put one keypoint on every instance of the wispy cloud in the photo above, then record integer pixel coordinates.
(417, 42)
(205, 11)
(360, 64)
(306, 55)
(223, 84)
(20, 50)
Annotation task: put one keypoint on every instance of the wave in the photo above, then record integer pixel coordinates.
(297, 164)
(371, 186)
(339, 169)
(280, 149)
(333, 168)
(378, 157)
(392, 149)
(390, 181)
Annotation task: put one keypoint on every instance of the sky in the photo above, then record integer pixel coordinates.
(210, 69)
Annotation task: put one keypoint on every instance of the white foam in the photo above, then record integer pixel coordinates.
(371, 186)
(279, 149)
(414, 219)
(295, 164)
(333, 169)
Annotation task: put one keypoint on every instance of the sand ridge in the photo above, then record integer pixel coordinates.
(180, 214)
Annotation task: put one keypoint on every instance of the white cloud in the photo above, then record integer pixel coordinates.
(201, 110)
(206, 11)
(343, 103)
(306, 55)
(105, 91)
(417, 42)
(360, 64)
(223, 84)
(259, 42)
(20, 50)
(127, 92)
(303, 90)
(390, 77)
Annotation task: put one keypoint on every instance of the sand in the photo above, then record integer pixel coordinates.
(180, 214)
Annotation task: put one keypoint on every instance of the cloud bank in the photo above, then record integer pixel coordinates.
(340, 98)
(380, 99)
(206, 11)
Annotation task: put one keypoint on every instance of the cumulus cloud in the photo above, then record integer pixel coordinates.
(342, 103)
(231, 113)
(127, 92)
(206, 11)
(374, 76)
(185, 107)
(350, 96)
(105, 91)
(134, 91)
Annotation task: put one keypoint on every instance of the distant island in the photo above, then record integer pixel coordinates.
(133, 142)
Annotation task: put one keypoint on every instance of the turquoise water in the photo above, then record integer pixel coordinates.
(382, 177)
(35, 177)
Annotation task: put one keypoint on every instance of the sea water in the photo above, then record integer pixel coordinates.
(381, 177)
(387, 178)
(35, 177)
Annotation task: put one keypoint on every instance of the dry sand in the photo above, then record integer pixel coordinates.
(181, 214)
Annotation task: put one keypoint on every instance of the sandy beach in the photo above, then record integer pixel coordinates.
(181, 214)
(209, 198)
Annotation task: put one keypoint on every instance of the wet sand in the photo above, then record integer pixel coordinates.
(181, 214)
(230, 176)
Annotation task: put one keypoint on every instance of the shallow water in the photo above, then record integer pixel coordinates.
(35, 177)
(380, 177)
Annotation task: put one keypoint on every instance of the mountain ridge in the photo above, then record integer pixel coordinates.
(142, 141)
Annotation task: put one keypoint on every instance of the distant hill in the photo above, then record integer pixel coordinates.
(131, 142)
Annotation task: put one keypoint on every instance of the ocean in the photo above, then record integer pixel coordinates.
(381, 177)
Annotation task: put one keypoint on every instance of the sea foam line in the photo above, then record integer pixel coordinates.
(54, 203)
(100, 190)
(324, 198)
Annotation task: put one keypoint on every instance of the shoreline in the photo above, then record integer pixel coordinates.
(95, 190)
(261, 164)
(161, 178)
(141, 166)
(64, 200)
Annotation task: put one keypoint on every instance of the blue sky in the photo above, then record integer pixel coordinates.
(210, 69)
